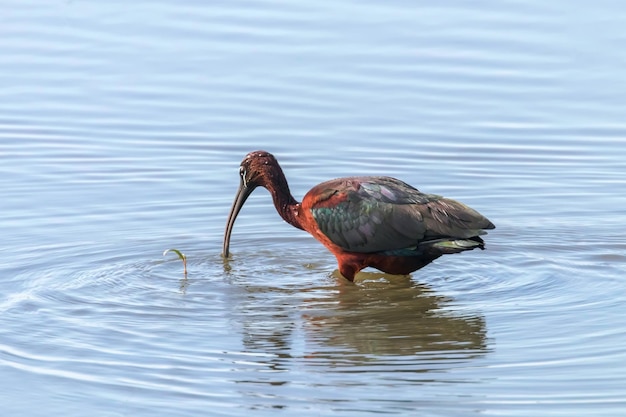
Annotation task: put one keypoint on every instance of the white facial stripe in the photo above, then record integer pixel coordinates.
(243, 177)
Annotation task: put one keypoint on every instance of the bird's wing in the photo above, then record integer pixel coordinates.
(371, 214)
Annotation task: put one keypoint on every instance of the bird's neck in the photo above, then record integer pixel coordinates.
(285, 204)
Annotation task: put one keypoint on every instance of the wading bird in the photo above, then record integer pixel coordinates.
(380, 222)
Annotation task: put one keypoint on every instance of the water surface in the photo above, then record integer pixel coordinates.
(121, 131)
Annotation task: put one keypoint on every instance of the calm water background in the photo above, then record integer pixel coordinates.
(122, 126)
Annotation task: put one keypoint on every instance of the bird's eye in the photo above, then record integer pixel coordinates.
(242, 174)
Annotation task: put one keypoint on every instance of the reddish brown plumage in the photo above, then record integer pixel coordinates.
(380, 222)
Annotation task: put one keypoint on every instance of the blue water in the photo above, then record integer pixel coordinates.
(121, 131)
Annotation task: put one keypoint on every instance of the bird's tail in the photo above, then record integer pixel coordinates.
(450, 245)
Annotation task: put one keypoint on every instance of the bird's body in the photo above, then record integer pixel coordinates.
(380, 222)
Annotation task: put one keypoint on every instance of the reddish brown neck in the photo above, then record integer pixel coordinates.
(285, 204)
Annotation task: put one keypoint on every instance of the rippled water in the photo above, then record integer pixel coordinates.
(121, 130)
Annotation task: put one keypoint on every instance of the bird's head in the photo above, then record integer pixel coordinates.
(258, 169)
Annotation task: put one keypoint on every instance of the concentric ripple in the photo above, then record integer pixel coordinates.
(121, 130)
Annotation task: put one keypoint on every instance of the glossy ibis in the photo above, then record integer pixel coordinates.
(380, 222)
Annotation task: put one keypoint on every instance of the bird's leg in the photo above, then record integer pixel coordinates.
(350, 264)
(347, 272)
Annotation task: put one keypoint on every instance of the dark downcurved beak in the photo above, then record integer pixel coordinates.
(243, 193)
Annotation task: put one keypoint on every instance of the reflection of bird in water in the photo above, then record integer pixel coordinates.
(380, 222)
(355, 325)
(392, 317)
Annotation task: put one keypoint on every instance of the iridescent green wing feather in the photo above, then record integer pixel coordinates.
(373, 214)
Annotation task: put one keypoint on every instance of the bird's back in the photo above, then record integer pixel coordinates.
(374, 214)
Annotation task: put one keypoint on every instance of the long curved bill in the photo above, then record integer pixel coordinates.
(243, 193)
